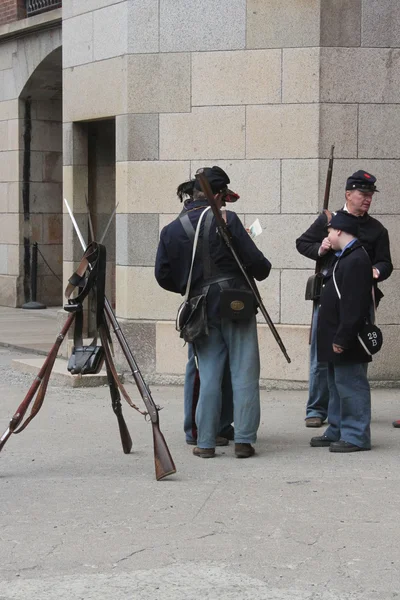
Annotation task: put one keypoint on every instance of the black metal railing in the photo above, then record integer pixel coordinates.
(34, 7)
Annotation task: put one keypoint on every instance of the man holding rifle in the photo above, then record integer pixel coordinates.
(314, 243)
(230, 312)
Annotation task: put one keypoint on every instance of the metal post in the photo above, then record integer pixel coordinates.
(33, 304)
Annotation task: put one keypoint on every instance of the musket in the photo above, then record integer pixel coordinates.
(41, 381)
(328, 180)
(164, 464)
(227, 237)
(319, 262)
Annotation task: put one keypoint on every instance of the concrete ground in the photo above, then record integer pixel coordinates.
(81, 520)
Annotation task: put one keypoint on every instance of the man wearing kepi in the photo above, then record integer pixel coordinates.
(345, 305)
(215, 274)
(314, 243)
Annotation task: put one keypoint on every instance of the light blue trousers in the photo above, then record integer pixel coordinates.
(236, 343)
(318, 390)
(349, 412)
(191, 391)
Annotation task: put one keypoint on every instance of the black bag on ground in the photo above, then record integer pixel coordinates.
(236, 304)
(86, 360)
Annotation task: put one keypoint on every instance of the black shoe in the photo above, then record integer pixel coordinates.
(320, 441)
(342, 446)
(396, 423)
(244, 450)
(228, 433)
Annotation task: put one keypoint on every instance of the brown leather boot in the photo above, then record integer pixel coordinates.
(204, 452)
(244, 450)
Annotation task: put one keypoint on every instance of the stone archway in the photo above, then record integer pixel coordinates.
(40, 122)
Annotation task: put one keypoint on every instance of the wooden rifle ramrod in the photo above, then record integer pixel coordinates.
(226, 236)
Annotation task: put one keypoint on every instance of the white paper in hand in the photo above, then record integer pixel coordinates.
(255, 228)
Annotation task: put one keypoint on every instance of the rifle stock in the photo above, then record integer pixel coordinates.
(164, 465)
(226, 236)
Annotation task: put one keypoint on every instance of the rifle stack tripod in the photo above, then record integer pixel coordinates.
(90, 276)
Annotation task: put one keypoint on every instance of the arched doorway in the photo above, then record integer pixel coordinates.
(40, 122)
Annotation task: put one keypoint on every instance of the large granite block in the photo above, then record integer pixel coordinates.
(393, 227)
(137, 137)
(143, 26)
(141, 339)
(71, 8)
(379, 131)
(10, 290)
(273, 364)
(4, 197)
(110, 31)
(273, 25)
(103, 189)
(158, 83)
(338, 126)
(270, 292)
(389, 307)
(150, 186)
(188, 25)
(300, 179)
(9, 166)
(171, 353)
(187, 136)
(45, 197)
(3, 259)
(277, 242)
(285, 131)
(256, 181)
(9, 88)
(75, 140)
(96, 100)
(53, 255)
(380, 23)
(259, 81)
(75, 186)
(15, 259)
(15, 134)
(341, 22)
(72, 249)
(46, 136)
(343, 75)
(386, 364)
(295, 310)
(78, 40)
(140, 297)
(137, 239)
(4, 136)
(8, 48)
(9, 109)
(300, 75)
(10, 224)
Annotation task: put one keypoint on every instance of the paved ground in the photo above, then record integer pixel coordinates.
(81, 520)
(34, 330)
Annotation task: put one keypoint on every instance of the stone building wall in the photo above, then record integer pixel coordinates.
(28, 69)
(262, 92)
